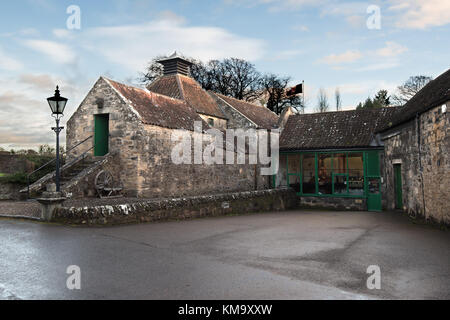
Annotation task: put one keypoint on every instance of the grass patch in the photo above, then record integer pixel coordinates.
(16, 178)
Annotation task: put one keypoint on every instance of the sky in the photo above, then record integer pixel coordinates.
(359, 47)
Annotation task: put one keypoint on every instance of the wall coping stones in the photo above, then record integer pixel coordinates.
(179, 208)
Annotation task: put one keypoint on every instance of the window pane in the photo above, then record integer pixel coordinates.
(340, 184)
(355, 173)
(281, 180)
(309, 173)
(339, 163)
(294, 182)
(294, 163)
(324, 167)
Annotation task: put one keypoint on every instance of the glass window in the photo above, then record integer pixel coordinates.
(309, 173)
(324, 173)
(340, 184)
(294, 182)
(211, 122)
(339, 163)
(355, 174)
(294, 163)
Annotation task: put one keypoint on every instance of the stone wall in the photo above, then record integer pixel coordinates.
(334, 203)
(236, 120)
(10, 191)
(83, 185)
(14, 163)
(125, 128)
(219, 123)
(144, 165)
(180, 208)
(159, 177)
(425, 175)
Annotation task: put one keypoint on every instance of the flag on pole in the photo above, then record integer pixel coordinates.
(295, 90)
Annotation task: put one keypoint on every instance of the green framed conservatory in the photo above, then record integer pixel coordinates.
(334, 159)
(332, 173)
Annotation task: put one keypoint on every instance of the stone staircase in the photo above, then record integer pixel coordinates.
(71, 174)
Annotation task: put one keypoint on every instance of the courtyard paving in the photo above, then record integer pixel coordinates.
(288, 255)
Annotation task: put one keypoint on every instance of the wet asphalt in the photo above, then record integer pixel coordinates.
(288, 255)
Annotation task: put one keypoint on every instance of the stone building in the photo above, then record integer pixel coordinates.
(387, 158)
(334, 159)
(128, 131)
(417, 147)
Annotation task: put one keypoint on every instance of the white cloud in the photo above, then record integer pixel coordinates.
(25, 119)
(133, 45)
(58, 52)
(287, 54)
(301, 28)
(63, 33)
(30, 32)
(9, 63)
(346, 57)
(38, 81)
(378, 66)
(391, 49)
(348, 8)
(421, 14)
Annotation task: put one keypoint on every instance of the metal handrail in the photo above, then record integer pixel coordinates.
(53, 160)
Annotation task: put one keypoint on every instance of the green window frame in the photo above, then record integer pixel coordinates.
(374, 172)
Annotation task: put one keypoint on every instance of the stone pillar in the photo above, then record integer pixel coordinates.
(49, 201)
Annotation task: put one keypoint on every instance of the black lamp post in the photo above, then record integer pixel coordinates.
(57, 105)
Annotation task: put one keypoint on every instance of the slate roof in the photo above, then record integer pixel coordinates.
(186, 88)
(157, 109)
(333, 130)
(261, 116)
(435, 93)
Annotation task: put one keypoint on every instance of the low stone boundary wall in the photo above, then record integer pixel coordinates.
(10, 191)
(180, 208)
(334, 203)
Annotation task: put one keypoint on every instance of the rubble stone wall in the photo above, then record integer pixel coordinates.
(14, 163)
(425, 175)
(143, 164)
(180, 208)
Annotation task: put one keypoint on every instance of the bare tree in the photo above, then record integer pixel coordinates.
(232, 77)
(153, 71)
(243, 79)
(236, 78)
(337, 95)
(322, 101)
(407, 90)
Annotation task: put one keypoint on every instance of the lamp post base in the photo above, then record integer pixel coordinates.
(50, 200)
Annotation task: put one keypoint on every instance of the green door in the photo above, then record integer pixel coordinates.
(101, 134)
(373, 181)
(398, 186)
(374, 194)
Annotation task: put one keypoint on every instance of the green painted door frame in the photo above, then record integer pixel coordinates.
(373, 181)
(398, 186)
(101, 134)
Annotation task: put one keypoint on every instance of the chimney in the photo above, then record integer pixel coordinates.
(176, 64)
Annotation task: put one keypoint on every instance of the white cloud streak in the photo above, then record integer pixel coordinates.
(421, 14)
(58, 52)
(346, 57)
(9, 63)
(133, 45)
